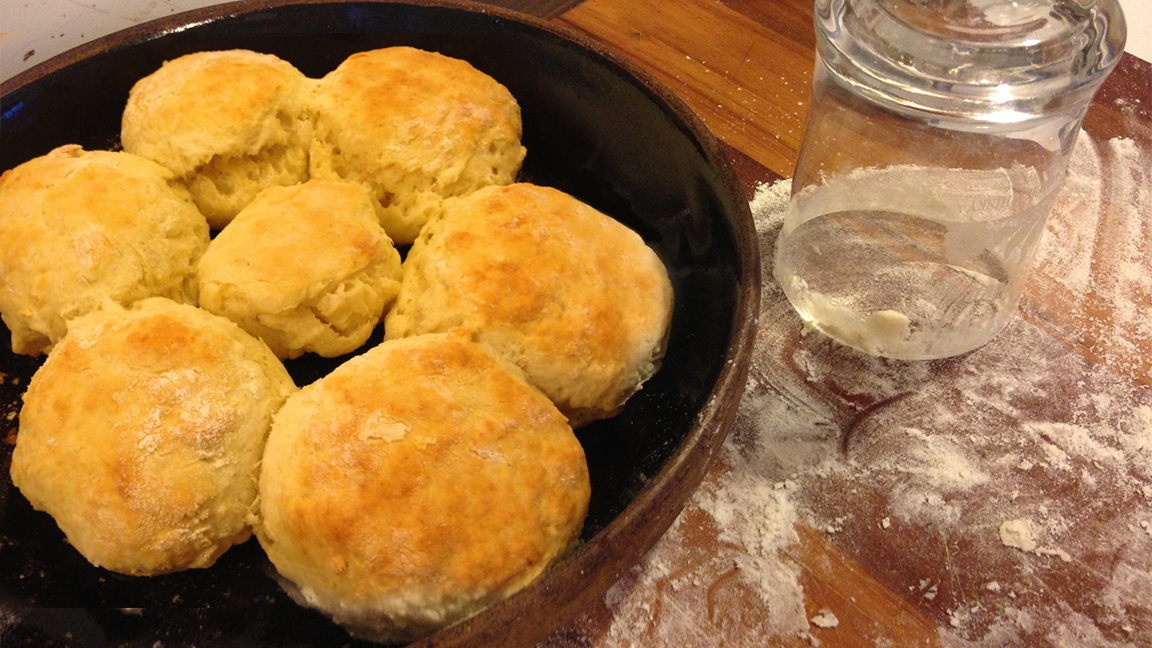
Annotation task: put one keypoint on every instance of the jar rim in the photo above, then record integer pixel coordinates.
(997, 60)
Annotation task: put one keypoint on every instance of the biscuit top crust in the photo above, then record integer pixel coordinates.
(416, 126)
(216, 103)
(310, 237)
(417, 483)
(78, 227)
(424, 110)
(306, 268)
(574, 298)
(142, 433)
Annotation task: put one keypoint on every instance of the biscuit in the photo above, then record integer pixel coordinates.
(227, 123)
(80, 227)
(416, 127)
(416, 484)
(142, 433)
(574, 298)
(305, 268)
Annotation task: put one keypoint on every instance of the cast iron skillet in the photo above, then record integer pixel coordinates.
(595, 126)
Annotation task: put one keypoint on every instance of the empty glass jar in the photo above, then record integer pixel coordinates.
(937, 139)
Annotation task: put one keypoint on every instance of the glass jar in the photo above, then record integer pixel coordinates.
(937, 139)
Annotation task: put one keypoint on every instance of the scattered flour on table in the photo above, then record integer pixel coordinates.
(1038, 535)
(768, 205)
(675, 600)
(1098, 243)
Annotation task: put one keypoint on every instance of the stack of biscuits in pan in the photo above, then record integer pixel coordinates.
(423, 478)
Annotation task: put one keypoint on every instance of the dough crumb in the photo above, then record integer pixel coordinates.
(1018, 534)
(825, 619)
(1063, 555)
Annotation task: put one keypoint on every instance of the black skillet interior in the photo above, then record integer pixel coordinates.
(591, 129)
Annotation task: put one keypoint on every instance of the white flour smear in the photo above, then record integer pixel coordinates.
(1005, 494)
(736, 594)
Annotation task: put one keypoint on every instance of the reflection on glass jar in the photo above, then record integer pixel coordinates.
(935, 146)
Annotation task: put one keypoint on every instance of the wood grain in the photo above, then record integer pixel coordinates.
(748, 83)
(868, 613)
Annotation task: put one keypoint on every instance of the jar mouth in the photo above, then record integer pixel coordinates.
(991, 60)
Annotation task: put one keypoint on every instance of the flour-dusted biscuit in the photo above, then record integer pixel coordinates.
(574, 298)
(142, 433)
(305, 268)
(228, 123)
(416, 484)
(416, 127)
(80, 227)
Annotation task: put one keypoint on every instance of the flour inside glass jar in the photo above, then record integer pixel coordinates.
(911, 262)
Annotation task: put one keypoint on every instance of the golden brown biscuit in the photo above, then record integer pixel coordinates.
(305, 268)
(142, 433)
(416, 127)
(574, 298)
(227, 123)
(80, 227)
(416, 484)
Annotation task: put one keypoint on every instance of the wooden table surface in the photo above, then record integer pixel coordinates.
(1000, 498)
